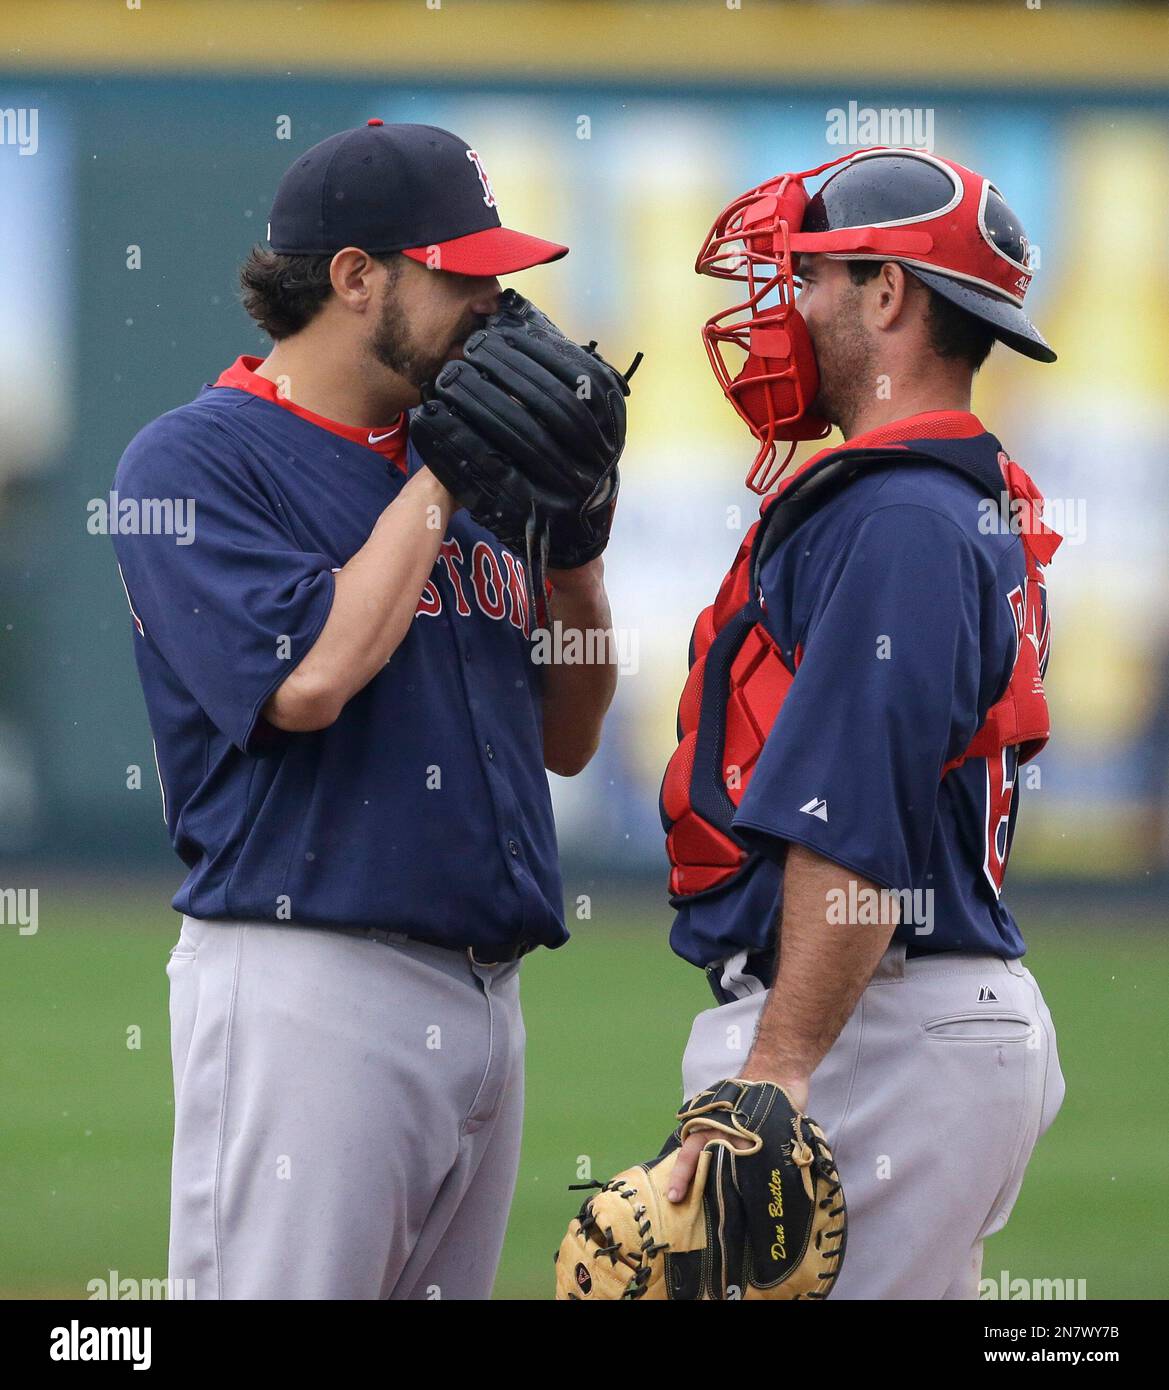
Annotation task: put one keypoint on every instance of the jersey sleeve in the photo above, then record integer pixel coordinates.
(234, 603)
(886, 693)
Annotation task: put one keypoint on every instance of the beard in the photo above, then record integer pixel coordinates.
(394, 345)
(845, 355)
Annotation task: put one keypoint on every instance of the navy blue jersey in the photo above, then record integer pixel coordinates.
(901, 598)
(424, 808)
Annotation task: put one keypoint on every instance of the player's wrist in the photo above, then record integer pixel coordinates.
(794, 1080)
(585, 581)
(434, 491)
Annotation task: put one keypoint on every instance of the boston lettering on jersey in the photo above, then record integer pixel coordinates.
(424, 809)
(740, 675)
(496, 581)
(495, 590)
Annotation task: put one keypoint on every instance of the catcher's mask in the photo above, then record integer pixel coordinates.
(944, 223)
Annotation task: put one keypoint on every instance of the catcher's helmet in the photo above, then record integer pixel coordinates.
(944, 223)
(980, 259)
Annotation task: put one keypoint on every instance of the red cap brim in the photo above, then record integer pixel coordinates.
(495, 251)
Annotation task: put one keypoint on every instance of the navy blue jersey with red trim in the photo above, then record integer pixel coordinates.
(425, 807)
(902, 594)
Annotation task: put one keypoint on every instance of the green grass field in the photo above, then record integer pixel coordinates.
(85, 1138)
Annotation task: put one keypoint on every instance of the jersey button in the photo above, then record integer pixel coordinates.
(490, 751)
(512, 848)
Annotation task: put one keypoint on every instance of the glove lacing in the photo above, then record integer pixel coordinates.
(606, 1245)
(825, 1169)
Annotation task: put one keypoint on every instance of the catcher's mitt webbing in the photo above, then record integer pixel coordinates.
(763, 1222)
(526, 431)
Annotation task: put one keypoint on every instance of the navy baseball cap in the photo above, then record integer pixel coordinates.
(410, 188)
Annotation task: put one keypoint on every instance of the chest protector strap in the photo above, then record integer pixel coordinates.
(739, 677)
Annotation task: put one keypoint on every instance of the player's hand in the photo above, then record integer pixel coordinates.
(697, 1139)
(687, 1160)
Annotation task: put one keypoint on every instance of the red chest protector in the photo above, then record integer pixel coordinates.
(739, 678)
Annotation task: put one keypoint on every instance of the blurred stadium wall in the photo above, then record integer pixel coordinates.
(141, 146)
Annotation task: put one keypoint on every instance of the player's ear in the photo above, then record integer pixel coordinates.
(890, 292)
(353, 273)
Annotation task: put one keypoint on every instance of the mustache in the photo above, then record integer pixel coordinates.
(478, 322)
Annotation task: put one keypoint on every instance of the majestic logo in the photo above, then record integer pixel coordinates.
(488, 191)
(817, 807)
(986, 995)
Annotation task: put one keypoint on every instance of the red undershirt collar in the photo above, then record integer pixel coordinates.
(389, 440)
(930, 424)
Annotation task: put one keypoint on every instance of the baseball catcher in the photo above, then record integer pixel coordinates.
(864, 694)
(526, 432)
(763, 1218)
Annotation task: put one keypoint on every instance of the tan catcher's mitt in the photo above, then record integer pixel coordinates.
(765, 1221)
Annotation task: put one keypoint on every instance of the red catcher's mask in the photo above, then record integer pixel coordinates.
(946, 224)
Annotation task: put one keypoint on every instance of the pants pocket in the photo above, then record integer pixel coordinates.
(187, 946)
(1001, 1026)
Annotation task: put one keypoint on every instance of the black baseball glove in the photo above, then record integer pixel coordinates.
(526, 431)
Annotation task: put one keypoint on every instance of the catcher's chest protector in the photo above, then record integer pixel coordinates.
(739, 678)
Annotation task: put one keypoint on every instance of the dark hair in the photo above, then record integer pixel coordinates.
(285, 293)
(953, 331)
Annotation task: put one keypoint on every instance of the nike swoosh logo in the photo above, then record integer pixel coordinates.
(377, 438)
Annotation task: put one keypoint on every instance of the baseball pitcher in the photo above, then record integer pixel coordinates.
(864, 696)
(351, 733)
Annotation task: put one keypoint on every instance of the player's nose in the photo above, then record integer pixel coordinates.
(485, 296)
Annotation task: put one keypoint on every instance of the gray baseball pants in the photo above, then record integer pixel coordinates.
(932, 1098)
(347, 1114)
